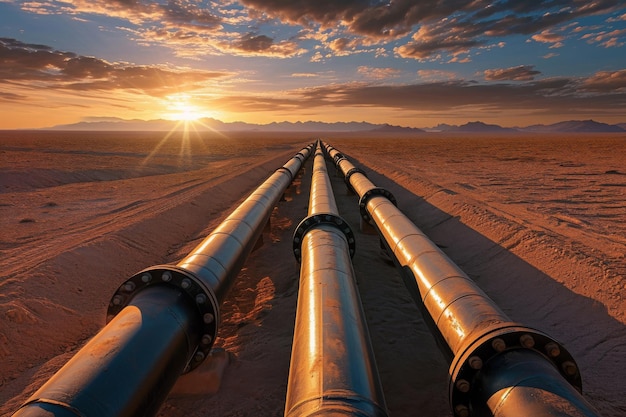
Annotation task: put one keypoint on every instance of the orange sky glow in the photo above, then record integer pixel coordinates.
(404, 63)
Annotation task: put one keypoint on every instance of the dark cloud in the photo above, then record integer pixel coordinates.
(27, 63)
(364, 17)
(254, 43)
(606, 81)
(435, 26)
(441, 25)
(173, 13)
(519, 73)
(428, 43)
(186, 15)
(5, 96)
(551, 96)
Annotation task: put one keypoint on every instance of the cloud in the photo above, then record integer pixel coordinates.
(547, 36)
(435, 26)
(178, 13)
(44, 67)
(428, 28)
(601, 93)
(6, 96)
(378, 73)
(252, 44)
(436, 75)
(519, 73)
(606, 81)
(479, 23)
(617, 18)
(614, 38)
(427, 42)
(305, 75)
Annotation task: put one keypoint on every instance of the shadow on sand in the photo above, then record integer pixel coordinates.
(526, 294)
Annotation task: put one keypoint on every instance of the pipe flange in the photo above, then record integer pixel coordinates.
(318, 219)
(351, 172)
(199, 294)
(338, 157)
(287, 171)
(468, 363)
(369, 194)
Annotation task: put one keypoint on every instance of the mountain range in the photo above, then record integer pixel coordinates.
(209, 124)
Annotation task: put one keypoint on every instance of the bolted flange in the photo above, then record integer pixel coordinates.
(199, 294)
(315, 220)
(468, 363)
(371, 193)
(351, 172)
(338, 157)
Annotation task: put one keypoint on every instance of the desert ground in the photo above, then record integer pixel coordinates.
(539, 222)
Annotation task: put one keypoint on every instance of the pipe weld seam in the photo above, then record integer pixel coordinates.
(54, 403)
(287, 170)
(339, 403)
(315, 220)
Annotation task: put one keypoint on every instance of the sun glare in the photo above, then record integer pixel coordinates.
(181, 108)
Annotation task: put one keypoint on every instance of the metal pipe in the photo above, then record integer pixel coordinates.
(485, 347)
(332, 369)
(161, 322)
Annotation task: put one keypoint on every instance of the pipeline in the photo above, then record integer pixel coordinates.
(498, 367)
(161, 322)
(332, 370)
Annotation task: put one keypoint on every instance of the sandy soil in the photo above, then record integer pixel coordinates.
(538, 222)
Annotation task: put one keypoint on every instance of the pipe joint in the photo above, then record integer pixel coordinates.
(371, 193)
(202, 297)
(337, 404)
(338, 157)
(315, 220)
(351, 172)
(467, 364)
(287, 170)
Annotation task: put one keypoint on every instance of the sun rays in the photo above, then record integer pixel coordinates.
(189, 125)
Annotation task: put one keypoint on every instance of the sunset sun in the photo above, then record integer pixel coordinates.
(181, 108)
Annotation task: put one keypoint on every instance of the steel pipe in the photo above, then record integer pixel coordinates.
(161, 322)
(332, 369)
(497, 365)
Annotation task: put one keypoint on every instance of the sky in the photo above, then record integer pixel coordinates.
(403, 62)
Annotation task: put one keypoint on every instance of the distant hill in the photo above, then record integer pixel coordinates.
(209, 124)
(573, 126)
(441, 127)
(387, 128)
(476, 127)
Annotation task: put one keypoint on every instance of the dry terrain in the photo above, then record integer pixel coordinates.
(539, 222)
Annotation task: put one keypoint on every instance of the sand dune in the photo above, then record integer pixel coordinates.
(538, 222)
